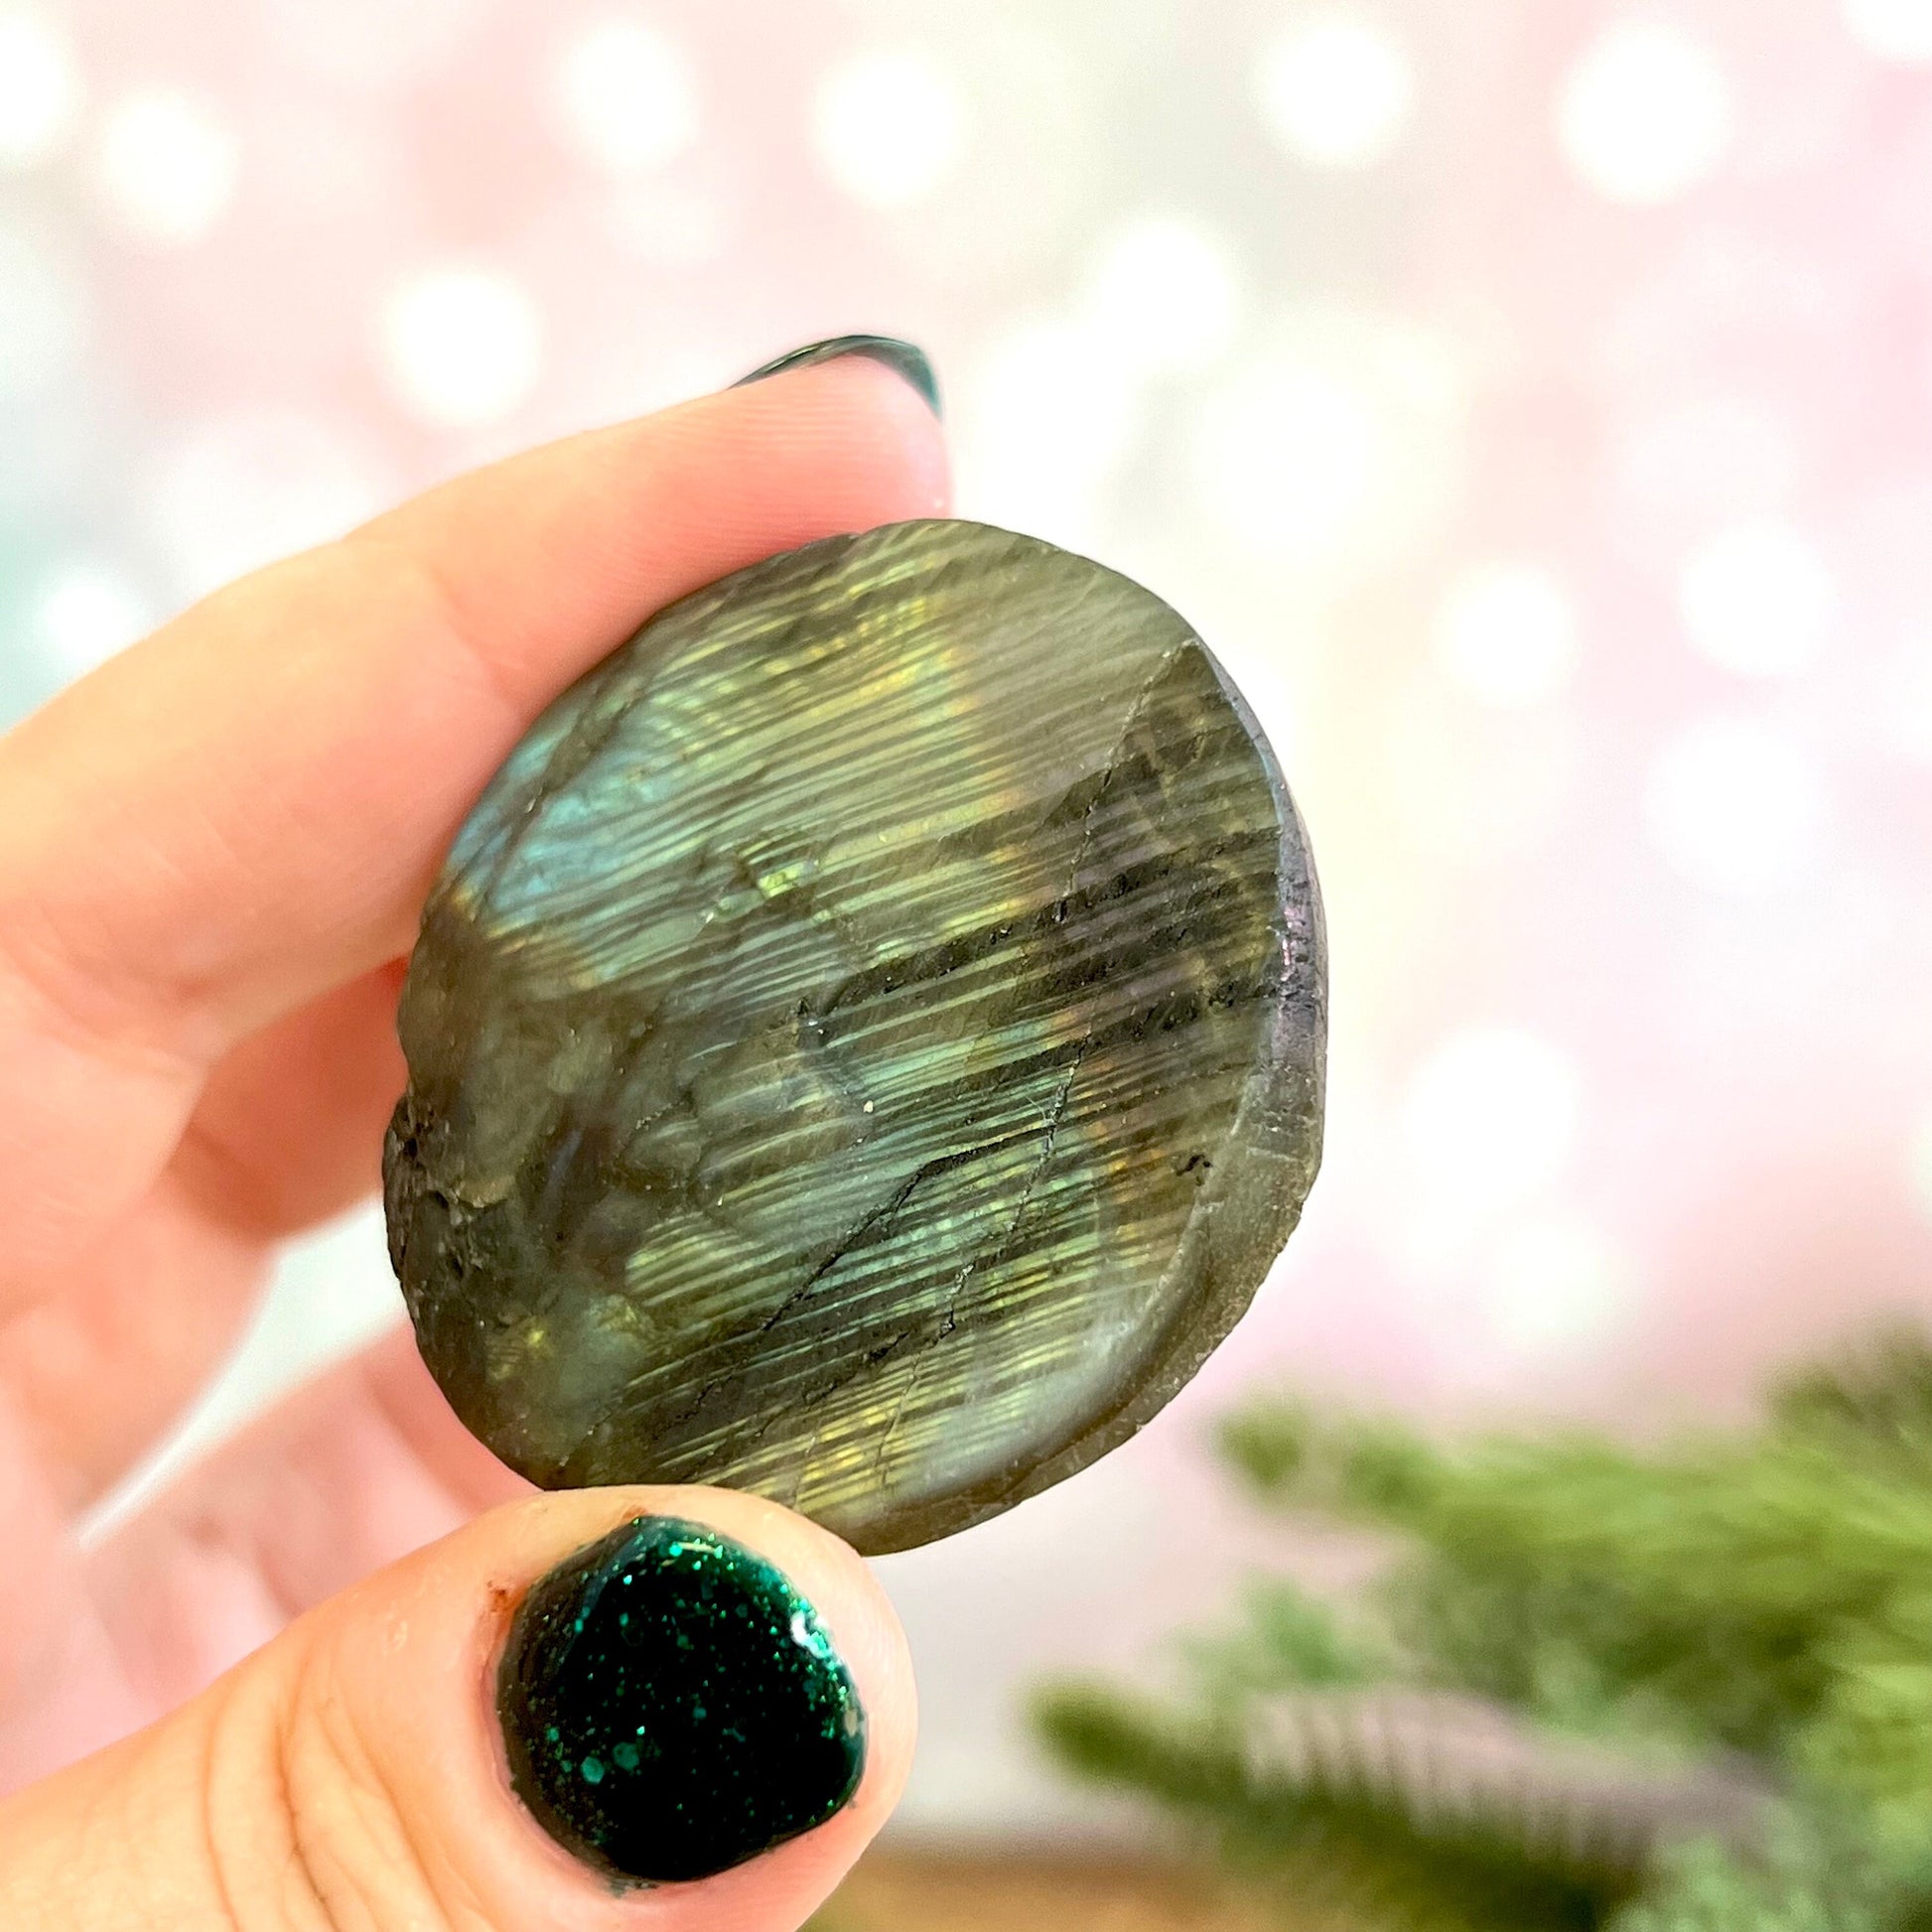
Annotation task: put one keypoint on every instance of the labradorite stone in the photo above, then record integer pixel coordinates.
(866, 1046)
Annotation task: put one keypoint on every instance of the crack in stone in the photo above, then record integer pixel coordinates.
(1001, 1250)
(873, 1218)
(941, 1162)
(1058, 1111)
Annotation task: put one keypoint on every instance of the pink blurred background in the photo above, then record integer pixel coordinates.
(1531, 401)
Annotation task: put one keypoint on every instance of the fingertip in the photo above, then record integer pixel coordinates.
(591, 1760)
(549, 558)
(871, 429)
(912, 437)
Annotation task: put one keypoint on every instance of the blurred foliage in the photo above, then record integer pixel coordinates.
(1750, 1613)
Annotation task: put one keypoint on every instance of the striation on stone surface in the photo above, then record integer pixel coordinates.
(866, 1046)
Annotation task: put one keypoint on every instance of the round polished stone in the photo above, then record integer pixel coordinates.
(866, 1046)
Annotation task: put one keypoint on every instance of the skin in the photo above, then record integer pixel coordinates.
(213, 855)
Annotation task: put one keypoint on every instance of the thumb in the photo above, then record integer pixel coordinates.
(606, 1711)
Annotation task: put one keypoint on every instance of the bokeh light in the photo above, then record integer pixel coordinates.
(39, 88)
(1892, 29)
(1507, 632)
(1295, 459)
(1555, 1286)
(462, 344)
(1331, 454)
(624, 94)
(1165, 294)
(1737, 803)
(1492, 1116)
(84, 611)
(1646, 113)
(1044, 420)
(168, 167)
(1335, 89)
(889, 126)
(1757, 599)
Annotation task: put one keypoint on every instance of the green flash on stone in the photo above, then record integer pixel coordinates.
(866, 1046)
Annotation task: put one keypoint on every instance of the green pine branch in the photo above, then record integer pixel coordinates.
(1698, 1591)
(1874, 1400)
(1330, 1823)
(1763, 1597)
(1282, 1639)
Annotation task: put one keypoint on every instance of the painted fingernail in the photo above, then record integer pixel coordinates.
(672, 1707)
(903, 358)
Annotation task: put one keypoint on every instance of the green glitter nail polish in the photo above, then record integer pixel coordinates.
(672, 1707)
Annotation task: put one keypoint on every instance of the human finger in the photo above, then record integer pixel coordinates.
(263, 788)
(357, 1467)
(604, 1711)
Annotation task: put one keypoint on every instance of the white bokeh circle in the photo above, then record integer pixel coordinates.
(461, 344)
(84, 611)
(1043, 419)
(1335, 451)
(1646, 113)
(1892, 29)
(1491, 1117)
(1335, 89)
(168, 168)
(1165, 294)
(1757, 599)
(624, 95)
(1736, 804)
(1555, 1286)
(888, 125)
(1506, 631)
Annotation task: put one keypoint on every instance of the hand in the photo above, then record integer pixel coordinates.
(212, 853)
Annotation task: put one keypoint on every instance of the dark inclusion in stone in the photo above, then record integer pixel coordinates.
(866, 1046)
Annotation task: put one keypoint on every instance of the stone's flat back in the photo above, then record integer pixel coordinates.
(866, 1046)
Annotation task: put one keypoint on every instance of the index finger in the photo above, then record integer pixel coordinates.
(246, 809)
